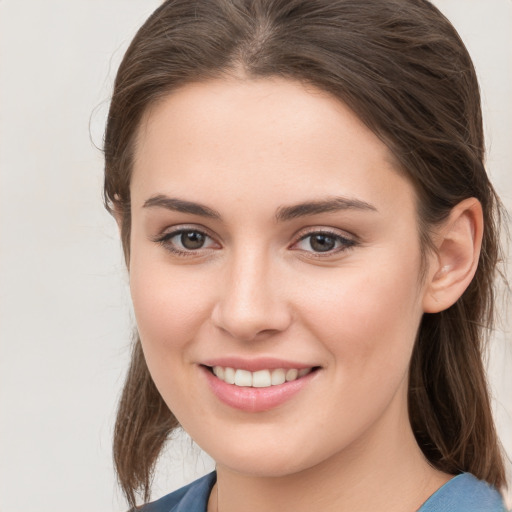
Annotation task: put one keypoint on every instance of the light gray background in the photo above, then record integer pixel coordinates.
(64, 308)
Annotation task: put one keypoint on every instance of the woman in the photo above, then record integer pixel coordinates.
(311, 239)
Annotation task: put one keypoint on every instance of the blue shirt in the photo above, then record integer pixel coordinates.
(463, 493)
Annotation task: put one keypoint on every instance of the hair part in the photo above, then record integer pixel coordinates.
(403, 69)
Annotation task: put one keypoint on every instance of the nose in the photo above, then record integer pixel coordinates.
(251, 303)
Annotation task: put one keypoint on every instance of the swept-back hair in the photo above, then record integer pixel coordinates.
(403, 69)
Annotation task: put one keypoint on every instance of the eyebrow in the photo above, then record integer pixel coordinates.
(283, 213)
(179, 205)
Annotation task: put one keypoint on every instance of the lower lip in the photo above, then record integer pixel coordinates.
(251, 399)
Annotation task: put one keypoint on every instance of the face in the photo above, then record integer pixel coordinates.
(275, 273)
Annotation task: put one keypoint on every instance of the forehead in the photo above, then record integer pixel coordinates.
(253, 138)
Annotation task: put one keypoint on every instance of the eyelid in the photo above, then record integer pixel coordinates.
(325, 230)
(348, 240)
(165, 236)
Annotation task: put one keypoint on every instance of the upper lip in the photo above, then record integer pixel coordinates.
(255, 364)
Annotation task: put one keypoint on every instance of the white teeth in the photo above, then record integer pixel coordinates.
(229, 375)
(291, 374)
(243, 378)
(278, 377)
(259, 379)
(219, 372)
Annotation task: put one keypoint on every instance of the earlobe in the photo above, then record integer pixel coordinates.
(458, 242)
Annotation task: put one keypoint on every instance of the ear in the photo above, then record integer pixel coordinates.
(458, 242)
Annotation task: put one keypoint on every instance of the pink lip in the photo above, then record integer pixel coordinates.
(253, 365)
(255, 399)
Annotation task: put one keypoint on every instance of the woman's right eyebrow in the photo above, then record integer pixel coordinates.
(283, 214)
(180, 205)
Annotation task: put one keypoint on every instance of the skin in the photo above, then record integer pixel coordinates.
(245, 149)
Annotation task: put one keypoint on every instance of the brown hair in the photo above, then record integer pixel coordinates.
(403, 69)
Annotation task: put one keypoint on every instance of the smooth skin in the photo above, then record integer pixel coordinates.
(217, 269)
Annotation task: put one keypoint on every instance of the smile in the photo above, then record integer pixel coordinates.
(257, 389)
(260, 378)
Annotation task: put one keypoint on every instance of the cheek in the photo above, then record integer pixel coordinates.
(170, 309)
(170, 305)
(367, 317)
(367, 321)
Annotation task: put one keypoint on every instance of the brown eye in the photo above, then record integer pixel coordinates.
(322, 243)
(192, 240)
(185, 242)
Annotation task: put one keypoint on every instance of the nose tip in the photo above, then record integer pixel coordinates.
(251, 306)
(247, 323)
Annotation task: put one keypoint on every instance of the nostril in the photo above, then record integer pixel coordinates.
(246, 318)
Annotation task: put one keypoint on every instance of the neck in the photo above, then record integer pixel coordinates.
(384, 470)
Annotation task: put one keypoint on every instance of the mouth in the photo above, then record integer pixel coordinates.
(264, 378)
(257, 385)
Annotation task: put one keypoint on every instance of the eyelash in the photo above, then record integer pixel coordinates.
(343, 242)
(165, 241)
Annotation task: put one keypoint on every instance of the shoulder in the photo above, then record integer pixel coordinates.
(191, 498)
(464, 493)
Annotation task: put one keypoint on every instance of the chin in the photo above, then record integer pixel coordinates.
(262, 469)
(262, 460)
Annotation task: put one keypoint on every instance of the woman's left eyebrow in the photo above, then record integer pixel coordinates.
(285, 213)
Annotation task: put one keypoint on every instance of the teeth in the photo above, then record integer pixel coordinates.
(259, 379)
(243, 378)
(229, 375)
(291, 374)
(278, 377)
(219, 372)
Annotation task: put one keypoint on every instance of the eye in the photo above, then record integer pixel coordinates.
(183, 241)
(191, 240)
(324, 242)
